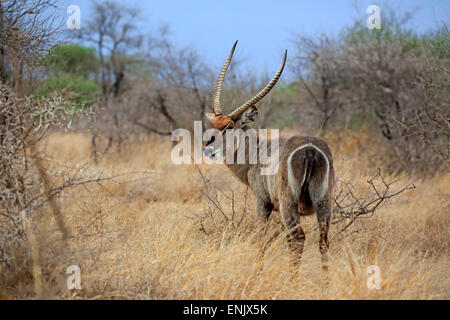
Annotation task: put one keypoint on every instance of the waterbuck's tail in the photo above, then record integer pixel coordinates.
(308, 172)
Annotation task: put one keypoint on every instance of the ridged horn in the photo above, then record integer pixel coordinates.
(238, 111)
(218, 87)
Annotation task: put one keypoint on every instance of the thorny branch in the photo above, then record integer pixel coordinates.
(350, 207)
(211, 192)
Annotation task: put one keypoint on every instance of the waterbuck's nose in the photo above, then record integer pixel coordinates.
(210, 152)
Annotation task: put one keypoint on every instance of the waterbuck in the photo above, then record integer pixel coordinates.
(304, 181)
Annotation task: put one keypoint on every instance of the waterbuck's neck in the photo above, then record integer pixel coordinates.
(240, 171)
(245, 157)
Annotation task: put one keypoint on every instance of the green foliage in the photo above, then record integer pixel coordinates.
(76, 89)
(70, 66)
(388, 34)
(72, 59)
(286, 91)
(282, 121)
(437, 44)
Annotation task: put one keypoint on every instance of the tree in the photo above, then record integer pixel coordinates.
(26, 29)
(113, 30)
(320, 73)
(393, 80)
(71, 68)
(72, 59)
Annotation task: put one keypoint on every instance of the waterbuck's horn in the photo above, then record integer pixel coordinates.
(238, 111)
(218, 87)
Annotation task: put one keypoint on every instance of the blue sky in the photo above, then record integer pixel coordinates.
(264, 28)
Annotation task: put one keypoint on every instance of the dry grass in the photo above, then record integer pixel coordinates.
(137, 236)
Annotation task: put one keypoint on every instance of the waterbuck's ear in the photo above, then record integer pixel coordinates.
(249, 116)
(209, 116)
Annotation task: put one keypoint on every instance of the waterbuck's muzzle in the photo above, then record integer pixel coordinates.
(211, 152)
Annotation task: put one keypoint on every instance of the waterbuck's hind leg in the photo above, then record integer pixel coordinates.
(323, 210)
(296, 235)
